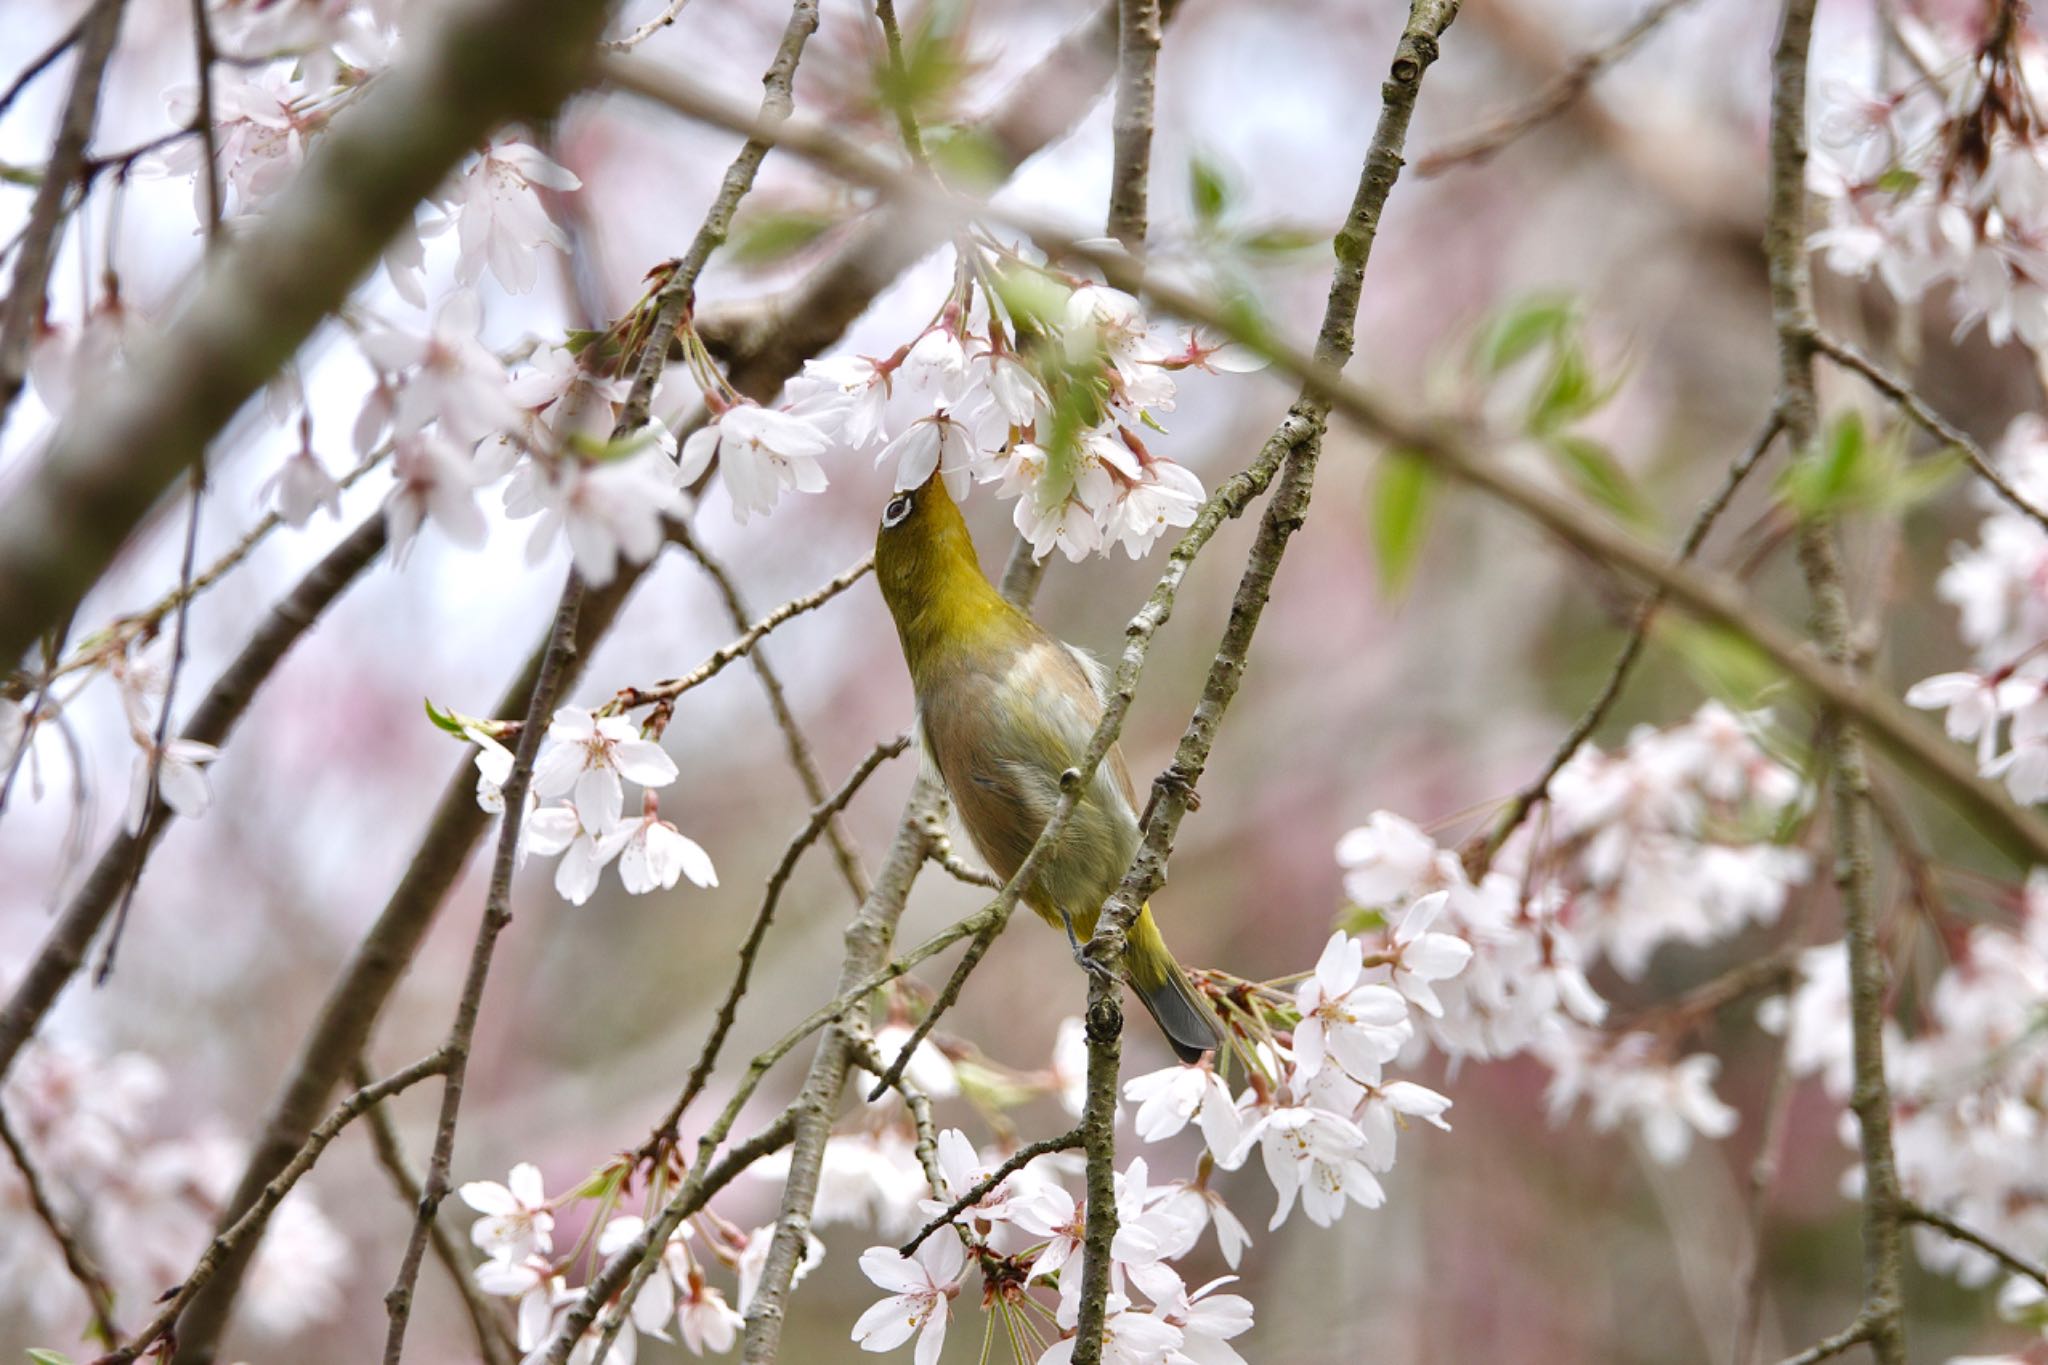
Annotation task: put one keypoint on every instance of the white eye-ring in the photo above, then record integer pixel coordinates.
(897, 510)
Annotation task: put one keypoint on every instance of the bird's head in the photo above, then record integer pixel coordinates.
(929, 573)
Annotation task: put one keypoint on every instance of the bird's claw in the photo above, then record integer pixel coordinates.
(1080, 950)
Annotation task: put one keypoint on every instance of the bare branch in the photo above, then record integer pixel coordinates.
(1556, 97)
(1896, 388)
(1481, 854)
(64, 950)
(1883, 1314)
(99, 1295)
(1850, 1337)
(1137, 62)
(2005, 1256)
(497, 914)
(1015, 1162)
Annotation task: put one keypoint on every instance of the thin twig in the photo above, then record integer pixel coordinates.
(1902, 393)
(906, 117)
(42, 62)
(1763, 1178)
(257, 1214)
(99, 1295)
(1559, 95)
(671, 688)
(1137, 64)
(1066, 1142)
(666, 1131)
(205, 55)
(497, 914)
(494, 1340)
(887, 1077)
(669, 14)
(1882, 1317)
(844, 851)
(28, 288)
(1482, 852)
(2004, 1255)
(1854, 1335)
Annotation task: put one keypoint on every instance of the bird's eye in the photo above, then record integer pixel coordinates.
(897, 510)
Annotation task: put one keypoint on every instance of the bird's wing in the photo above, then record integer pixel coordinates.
(1098, 681)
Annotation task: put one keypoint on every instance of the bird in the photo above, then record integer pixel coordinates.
(1003, 709)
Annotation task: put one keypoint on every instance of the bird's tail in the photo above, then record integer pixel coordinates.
(1169, 997)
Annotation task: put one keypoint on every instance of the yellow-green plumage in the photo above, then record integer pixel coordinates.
(1004, 709)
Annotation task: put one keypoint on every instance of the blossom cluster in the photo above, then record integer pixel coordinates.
(1969, 1088)
(1943, 181)
(1999, 588)
(576, 805)
(143, 1199)
(1668, 840)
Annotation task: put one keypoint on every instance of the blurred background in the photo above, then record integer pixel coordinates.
(1506, 1239)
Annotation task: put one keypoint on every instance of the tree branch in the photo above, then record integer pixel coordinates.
(1137, 61)
(1850, 1337)
(1883, 1313)
(99, 1295)
(2005, 1256)
(1559, 95)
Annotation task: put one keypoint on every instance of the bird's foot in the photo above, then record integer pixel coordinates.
(1082, 959)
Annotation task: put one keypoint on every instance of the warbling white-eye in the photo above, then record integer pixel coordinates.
(1003, 709)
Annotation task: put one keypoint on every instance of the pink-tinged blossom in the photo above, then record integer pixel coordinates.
(609, 509)
(435, 482)
(920, 1290)
(260, 128)
(1359, 1024)
(303, 486)
(929, 1070)
(656, 855)
(1421, 956)
(846, 396)
(1971, 705)
(533, 1283)
(1168, 1099)
(517, 1221)
(761, 454)
(587, 755)
(1317, 1156)
(449, 377)
(941, 443)
(500, 220)
(180, 779)
(585, 850)
(1208, 1321)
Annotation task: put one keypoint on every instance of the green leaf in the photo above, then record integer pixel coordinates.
(444, 720)
(1401, 499)
(38, 1356)
(1208, 191)
(1595, 472)
(965, 157)
(1569, 391)
(1898, 180)
(1927, 477)
(1282, 238)
(1356, 919)
(770, 236)
(1544, 319)
(1835, 474)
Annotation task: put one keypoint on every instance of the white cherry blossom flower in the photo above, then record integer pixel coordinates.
(1421, 956)
(500, 220)
(610, 509)
(180, 779)
(517, 1220)
(921, 1290)
(585, 851)
(532, 1281)
(303, 486)
(1318, 1156)
(1362, 1025)
(929, 1070)
(761, 454)
(435, 482)
(585, 758)
(1167, 1099)
(450, 378)
(656, 855)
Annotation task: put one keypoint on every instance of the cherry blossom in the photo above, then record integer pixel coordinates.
(1358, 1024)
(435, 481)
(609, 509)
(585, 850)
(517, 1221)
(181, 784)
(303, 486)
(586, 756)
(500, 220)
(762, 452)
(656, 855)
(920, 1292)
